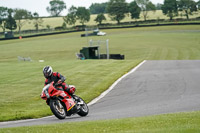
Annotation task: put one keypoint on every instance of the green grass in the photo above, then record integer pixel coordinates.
(167, 123)
(21, 82)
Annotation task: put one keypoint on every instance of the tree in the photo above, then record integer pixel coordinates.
(198, 4)
(146, 6)
(100, 18)
(3, 16)
(98, 8)
(10, 21)
(70, 19)
(117, 9)
(83, 15)
(170, 8)
(159, 6)
(64, 25)
(37, 21)
(56, 7)
(22, 16)
(135, 10)
(3, 12)
(187, 6)
(71, 16)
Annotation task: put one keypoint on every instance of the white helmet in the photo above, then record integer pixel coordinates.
(47, 71)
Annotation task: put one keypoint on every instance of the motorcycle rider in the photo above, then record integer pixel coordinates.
(59, 82)
(57, 78)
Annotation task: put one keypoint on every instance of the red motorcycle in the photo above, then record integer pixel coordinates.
(61, 103)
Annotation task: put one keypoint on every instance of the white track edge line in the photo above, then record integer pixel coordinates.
(21, 121)
(114, 84)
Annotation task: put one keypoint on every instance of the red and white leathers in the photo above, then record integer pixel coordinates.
(59, 79)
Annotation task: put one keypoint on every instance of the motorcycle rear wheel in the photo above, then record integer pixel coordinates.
(84, 110)
(57, 109)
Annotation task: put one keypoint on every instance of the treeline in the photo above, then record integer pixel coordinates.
(170, 8)
(116, 9)
(16, 18)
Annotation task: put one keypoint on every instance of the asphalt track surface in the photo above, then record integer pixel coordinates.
(155, 87)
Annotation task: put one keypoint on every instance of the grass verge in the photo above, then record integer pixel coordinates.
(166, 123)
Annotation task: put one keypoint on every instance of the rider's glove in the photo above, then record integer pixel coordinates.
(59, 82)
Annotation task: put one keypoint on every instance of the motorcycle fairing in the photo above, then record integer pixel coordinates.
(69, 103)
(66, 98)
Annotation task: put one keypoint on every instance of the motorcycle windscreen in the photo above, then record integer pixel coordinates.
(44, 94)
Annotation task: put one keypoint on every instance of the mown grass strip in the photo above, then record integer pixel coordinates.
(167, 123)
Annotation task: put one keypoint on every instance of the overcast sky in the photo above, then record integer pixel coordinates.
(39, 6)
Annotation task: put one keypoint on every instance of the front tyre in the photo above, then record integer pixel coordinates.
(84, 110)
(57, 109)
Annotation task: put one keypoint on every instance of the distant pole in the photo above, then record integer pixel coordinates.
(107, 49)
(90, 42)
(86, 34)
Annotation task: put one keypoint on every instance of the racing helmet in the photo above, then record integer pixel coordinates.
(47, 71)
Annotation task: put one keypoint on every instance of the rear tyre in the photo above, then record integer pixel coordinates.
(57, 109)
(84, 110)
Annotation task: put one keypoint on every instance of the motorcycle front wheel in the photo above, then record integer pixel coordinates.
(57, 109)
